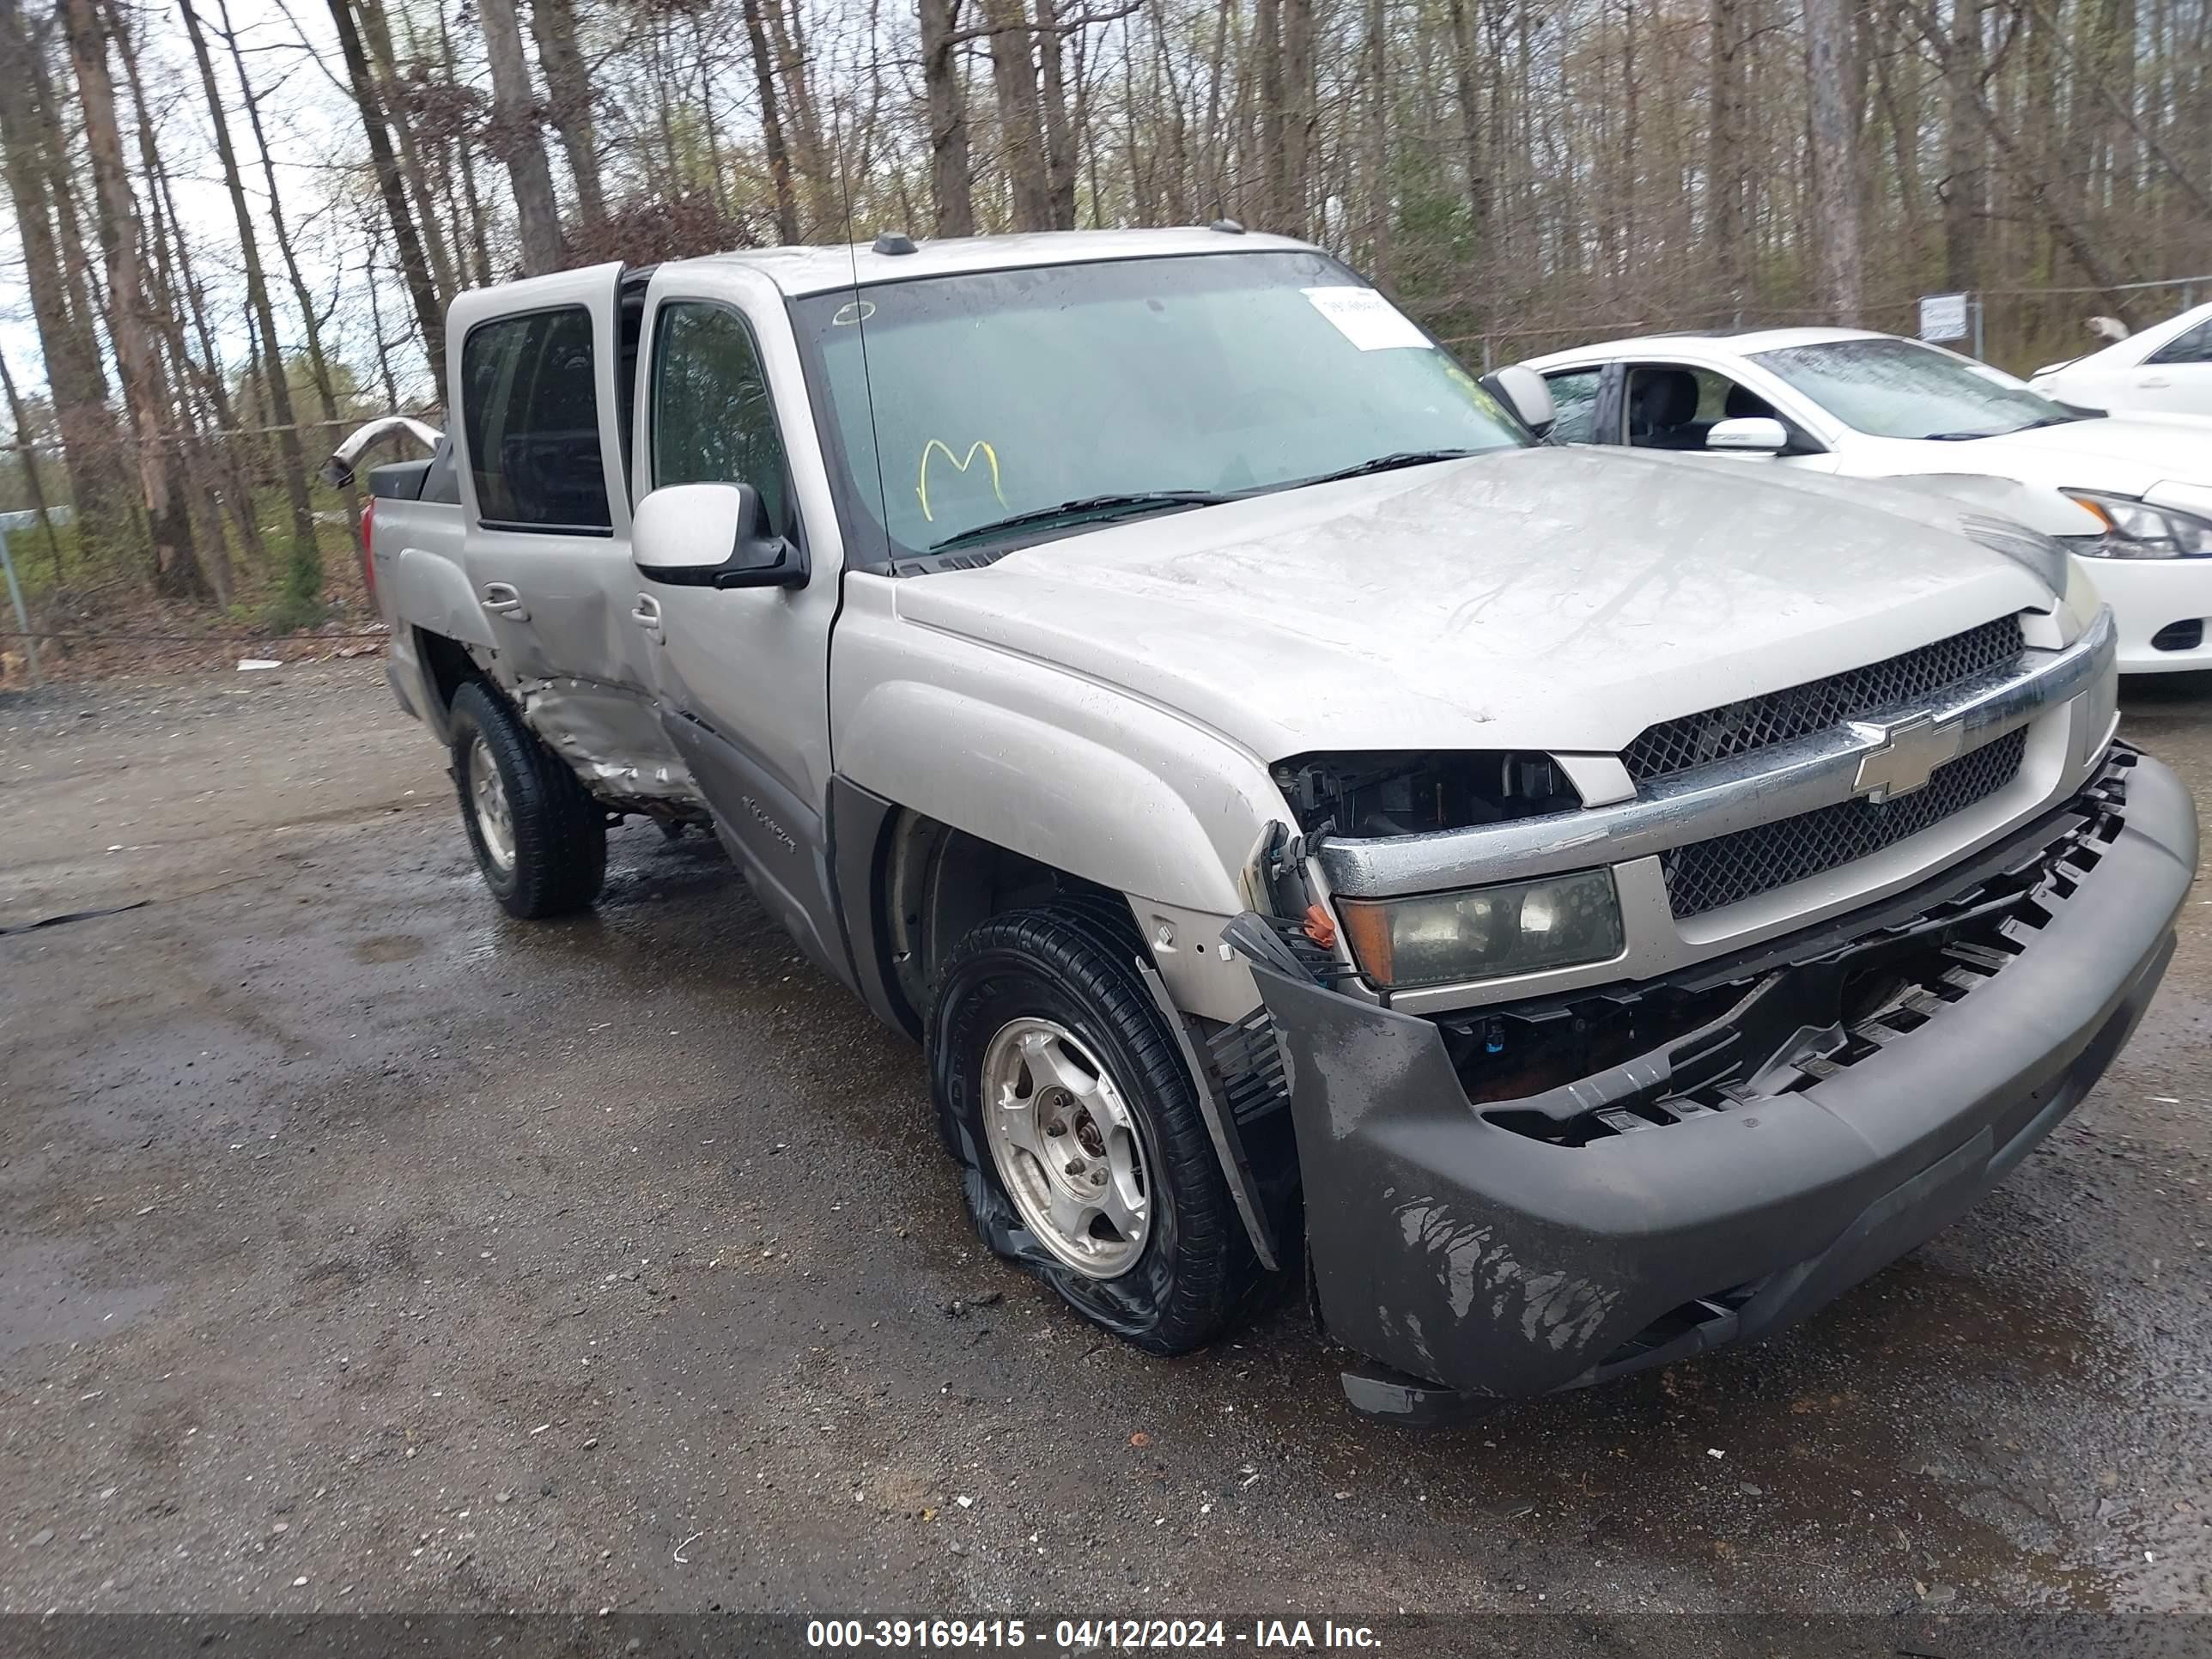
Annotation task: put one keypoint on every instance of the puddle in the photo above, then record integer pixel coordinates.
(44, 1303)
(389, 947)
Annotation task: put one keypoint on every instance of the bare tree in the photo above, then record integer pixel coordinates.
(1052, 100)
(1021, 131)
(569, 105)
(1964, 146)
(950, 186)
(1833, 120)
(176, 561)
(304, 579)
(514, 138)
(376, 32)
(429, 315)
(779, 159)
(1522, 175)
(67, 342)
(1724, 166)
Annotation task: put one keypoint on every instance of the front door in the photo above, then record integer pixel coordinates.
(742, 673)
(546, 545)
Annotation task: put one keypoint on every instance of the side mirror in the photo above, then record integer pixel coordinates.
(711, 535)
(1749, 434)
(1525, 391)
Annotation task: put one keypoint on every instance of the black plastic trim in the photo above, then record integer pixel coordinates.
(858, 820)
(775, 837)
(1476, 1260)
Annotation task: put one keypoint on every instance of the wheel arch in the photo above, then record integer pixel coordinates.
(446, 666)
(910, 886)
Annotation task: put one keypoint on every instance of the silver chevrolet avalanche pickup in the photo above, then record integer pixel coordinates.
(1573, 909)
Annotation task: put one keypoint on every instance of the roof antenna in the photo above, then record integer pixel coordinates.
(860, 309)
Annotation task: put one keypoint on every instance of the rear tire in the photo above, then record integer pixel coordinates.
(539, 838)
(1063, 1096)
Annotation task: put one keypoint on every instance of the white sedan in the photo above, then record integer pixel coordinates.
(2165, 370)
(2132, 493)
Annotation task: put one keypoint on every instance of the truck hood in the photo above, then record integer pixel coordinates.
(1559, 599)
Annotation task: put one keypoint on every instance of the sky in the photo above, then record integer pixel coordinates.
(313, 130)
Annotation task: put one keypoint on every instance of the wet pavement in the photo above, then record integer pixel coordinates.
(362, 1248)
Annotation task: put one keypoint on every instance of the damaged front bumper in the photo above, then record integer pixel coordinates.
(1711, 1159)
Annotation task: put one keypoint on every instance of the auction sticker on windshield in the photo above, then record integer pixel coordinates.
(1366, 318)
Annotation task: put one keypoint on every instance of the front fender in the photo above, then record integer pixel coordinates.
(1080, 776)
(1026, 782)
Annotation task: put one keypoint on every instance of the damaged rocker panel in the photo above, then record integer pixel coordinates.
(612, 737)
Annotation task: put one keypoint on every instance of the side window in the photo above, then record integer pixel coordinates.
(1674, 407)
(712, 419)
(530, 408)
(2193, 346)
(1574, 392)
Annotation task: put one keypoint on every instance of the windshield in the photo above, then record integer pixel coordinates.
(1902, 389)
(1008, 394)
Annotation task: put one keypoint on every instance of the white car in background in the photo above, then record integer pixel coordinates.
(2130, 495)
(2165, 370)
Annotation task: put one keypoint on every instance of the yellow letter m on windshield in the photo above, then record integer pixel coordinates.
(961, 463)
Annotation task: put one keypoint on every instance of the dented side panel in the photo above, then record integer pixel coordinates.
(612, 737)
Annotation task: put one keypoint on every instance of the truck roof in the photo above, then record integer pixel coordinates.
(800, 270)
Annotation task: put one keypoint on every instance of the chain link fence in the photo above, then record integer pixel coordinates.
(88, 595)
(93, 591)
(2024, 329)
(2017, 329)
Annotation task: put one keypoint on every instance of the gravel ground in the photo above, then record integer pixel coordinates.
(365, 1250)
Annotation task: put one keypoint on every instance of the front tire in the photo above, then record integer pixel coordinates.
(1084, 1158)
(539, 838)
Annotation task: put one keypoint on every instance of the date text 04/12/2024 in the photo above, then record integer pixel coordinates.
(1082, 1634)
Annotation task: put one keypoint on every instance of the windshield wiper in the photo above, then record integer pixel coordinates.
(1087, 506)
(1389, 463)
(2030, 425)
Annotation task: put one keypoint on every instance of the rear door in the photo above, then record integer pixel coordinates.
(2177, 377)
(533, 374)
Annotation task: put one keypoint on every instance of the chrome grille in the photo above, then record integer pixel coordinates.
(1728, 869)
(1755, 723)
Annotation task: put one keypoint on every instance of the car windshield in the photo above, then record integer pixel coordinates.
(1120, 387)
(1893, 388)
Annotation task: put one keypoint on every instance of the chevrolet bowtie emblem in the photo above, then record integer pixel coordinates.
(1908, 751)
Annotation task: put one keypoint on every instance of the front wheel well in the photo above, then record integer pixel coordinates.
(934, 884)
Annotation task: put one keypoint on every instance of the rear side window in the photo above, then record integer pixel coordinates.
(530, 407)
(2193, 346)
(1574, 394)
(712, 419)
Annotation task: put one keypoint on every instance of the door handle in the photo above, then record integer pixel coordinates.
(502, 600)
(2157, 382)
(646, 615)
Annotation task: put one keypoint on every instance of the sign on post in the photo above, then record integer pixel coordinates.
(1943, 316)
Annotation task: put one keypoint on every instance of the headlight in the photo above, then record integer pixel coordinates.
(2136, 530)
(1484, 932)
